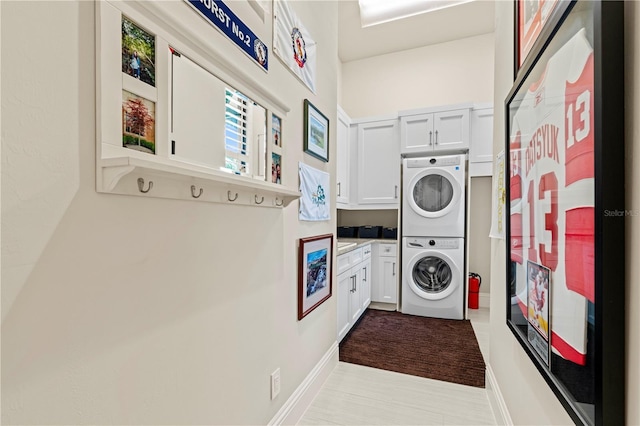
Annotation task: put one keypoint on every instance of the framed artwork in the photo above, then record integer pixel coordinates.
(533, 17)
(138, 52)
(276, 168)
(276, 132)
(565, 208)
(316, 132)
(314, 272)
(138, 123)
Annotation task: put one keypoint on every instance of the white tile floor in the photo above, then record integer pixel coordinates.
(358, 395)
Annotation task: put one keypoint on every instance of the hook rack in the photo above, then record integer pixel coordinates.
(141, 185)
(229, 196)
(280, 204)
(255, 197)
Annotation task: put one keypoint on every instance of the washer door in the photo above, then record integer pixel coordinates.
(433, 193)
(433, 275)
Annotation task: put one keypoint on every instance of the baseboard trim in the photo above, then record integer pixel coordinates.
(498, 405)
(292, 410)
(484, 300)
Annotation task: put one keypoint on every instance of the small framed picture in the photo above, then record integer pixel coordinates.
(138, 52)
(276, 168)
(316, 132)
(538, 296)
(314, 272)
(276, 133)
(138, 123)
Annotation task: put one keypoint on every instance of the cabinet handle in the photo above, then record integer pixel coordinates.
(430, 135)
(394, 269)
(365, 274)
(436, 137)
(339, 192)
(395, 192)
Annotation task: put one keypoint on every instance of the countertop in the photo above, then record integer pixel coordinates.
(359, 242)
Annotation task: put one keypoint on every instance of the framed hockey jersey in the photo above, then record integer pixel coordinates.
(565, 192)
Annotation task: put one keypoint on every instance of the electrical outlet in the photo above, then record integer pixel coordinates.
(275, 383)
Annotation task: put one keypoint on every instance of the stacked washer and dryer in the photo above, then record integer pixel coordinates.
(433, 236)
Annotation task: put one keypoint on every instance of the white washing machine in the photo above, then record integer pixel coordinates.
(433, 280)
(433, 199)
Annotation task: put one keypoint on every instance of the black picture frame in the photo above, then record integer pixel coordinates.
(585, 97)
(316, 132)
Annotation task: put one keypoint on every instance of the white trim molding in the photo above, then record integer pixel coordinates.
(498, 405)
(292, 410)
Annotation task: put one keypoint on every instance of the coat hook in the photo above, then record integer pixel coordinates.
(141, 186)
(229, 196)
(280, 203)
(193, 192)
(256, 199)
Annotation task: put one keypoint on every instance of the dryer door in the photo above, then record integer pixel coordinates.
(434, 193)
(433, 275)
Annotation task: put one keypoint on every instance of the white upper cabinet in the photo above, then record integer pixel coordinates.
(481, 150)
(429, 132)
(342, 158)
(378, 163)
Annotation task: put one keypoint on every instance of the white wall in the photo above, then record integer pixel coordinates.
(479, 244)
(131, 310)
(447, 73)
(632, 178)
(528, 397)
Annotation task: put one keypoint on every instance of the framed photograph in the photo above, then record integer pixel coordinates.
(316, 132)
(138, 52)
(314, 272)
(538, 309)
(276, 168)
(564, 202)
(138, 123)
(276, 133)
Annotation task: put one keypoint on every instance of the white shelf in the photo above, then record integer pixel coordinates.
(165, 178)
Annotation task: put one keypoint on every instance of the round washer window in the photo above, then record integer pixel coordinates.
(432, 274)
(433, 193)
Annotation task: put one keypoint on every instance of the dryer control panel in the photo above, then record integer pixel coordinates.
(449, 160)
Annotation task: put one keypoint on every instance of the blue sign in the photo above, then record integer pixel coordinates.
(219, 14)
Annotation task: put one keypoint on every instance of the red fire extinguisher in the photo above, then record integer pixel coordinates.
(474, 289)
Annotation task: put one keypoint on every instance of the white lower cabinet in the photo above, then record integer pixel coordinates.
(354, 287)
(385, 278)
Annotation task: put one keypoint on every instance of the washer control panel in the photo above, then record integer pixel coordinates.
(435, 243)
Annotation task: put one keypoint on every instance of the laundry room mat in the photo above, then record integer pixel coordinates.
(438, 349)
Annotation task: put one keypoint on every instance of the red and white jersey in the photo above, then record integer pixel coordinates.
(552, 190)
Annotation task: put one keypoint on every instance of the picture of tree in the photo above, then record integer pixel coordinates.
(138, 52)
(138, 119)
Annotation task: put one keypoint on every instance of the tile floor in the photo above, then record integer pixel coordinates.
(358, 395)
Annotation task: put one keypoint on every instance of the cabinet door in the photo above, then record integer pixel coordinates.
(345, 287)
(365, 287)
(378, 163)
(388, 280)
(416, 134)
(355, 306)
(342, 158)
(451, 130)
(481, 149)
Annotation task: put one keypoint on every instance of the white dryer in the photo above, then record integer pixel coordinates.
(433, 199)
(433, 280)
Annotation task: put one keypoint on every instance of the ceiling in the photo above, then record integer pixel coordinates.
(465, 20)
